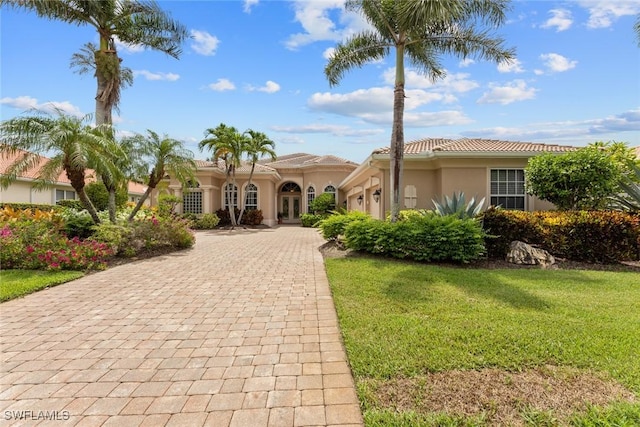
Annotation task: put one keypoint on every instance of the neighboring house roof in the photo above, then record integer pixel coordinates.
(637, 150)
(465, 145)
(6, 159)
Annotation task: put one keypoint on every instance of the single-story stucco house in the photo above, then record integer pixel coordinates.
(22, 190)
(486, 168)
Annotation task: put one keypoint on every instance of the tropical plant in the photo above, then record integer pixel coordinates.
(421, 31)
(161, 156)
(580, 179)
(457, 206)
(134, 22)
(229, 145)
(99, 195)
(75, 145)
(630, 199)
(322, 204)
(257, 146)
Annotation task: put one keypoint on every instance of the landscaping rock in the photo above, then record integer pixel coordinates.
(524, 254)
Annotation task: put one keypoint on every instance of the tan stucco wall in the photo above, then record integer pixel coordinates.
(438, 177)
(23, 192)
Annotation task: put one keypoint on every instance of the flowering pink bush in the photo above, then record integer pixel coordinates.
(30, 245)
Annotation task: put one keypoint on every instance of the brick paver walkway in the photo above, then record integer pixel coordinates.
(238, 331)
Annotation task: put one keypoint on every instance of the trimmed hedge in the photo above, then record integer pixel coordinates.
(591, 236)
(32, 206)
(311, 220)
(335, 224)
(421, 238)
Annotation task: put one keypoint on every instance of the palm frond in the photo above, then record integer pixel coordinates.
(355, 52)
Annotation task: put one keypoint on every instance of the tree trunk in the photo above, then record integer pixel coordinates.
(76, 177)
(253, 166)
(144, 197)
(397, 136)
(111, 188)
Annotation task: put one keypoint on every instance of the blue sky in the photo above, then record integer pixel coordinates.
(259, 64)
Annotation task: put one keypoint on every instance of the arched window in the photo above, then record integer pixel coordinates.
(192, 198)
(251, 197)
(311, 195)
(290, 187)
(331, 190)
(230, 191)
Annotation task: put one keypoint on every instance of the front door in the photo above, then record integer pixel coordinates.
(290, 208)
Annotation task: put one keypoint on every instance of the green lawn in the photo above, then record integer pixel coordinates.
(16, 283)
(408, 321)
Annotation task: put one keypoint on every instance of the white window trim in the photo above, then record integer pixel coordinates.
(491, 195)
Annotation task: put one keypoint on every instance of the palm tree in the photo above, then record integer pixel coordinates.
(421, 31)
(227, 144)
(75, 144)
(636, 28)
(258, 145)
(163, 156)
(136, 22)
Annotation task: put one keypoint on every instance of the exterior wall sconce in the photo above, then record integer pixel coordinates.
(376, 195)
(359, 199)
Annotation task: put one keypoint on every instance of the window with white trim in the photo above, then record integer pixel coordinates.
(507, 188)
(410, 197)
(251, 197)
(331, 190)
(311, 196)
(192, 199)
(230, 190)
(65, 195)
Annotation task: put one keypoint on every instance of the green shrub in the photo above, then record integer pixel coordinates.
(225, 219)
(324, 203)
(420, 238)
(207, 221)
(591, 236)
(167, 204)
(334, 225)
(99, 196)
(31, 206)
(311, 220)
(115, 236)
(70, 204)
(77, 223)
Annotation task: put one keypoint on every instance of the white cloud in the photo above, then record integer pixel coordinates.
(221, 85)
(336, 130)
(328, 53)
(556, 63)
(204, 43)
(269, 87)
(466, 62)
(560, 20)
(28, 103)
(314, 16)
(514, 66)
(375, 105)
(248, 4)
(156, 76)
(577, 132)
(515, 91)
(602, 13)
(456, 82)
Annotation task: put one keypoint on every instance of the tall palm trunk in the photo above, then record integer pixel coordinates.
(111, 188)
(397, 136)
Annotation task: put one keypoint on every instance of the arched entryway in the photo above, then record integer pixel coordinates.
(290, 203)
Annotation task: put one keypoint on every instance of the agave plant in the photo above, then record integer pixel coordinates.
(630, 199)
(457, 206)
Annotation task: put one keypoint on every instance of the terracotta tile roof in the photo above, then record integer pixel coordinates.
(244, 168)
(637, 150)
(304, 159)
(6, 159)
(466, 145)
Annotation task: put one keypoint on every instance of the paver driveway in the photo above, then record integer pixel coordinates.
(240, 330)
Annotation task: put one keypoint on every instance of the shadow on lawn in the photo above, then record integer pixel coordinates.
(418, 282)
